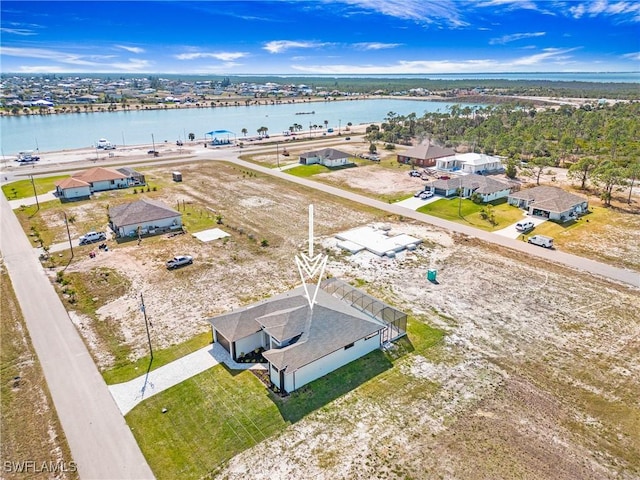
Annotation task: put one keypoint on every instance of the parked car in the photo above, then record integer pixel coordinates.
(418, 193)
(414, 173)
(444, 177)
(91, 237)
(541, 241)
(348, 138)
(525, 226)
(426, 194)
(179, 261)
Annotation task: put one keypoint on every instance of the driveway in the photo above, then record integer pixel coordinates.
(511, 232)
(414, 203)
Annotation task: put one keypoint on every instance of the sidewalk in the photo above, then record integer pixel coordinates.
(45, 197)
(127, 395)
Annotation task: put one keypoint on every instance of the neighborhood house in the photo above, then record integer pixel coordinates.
(97, 179)
(424, 155)
(143, 217)
(329, 157)
(549, 202)
(470, 163)
(302, 344)
(487, 188)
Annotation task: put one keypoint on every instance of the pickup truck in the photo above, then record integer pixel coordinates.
(91, 237)
(179, 261)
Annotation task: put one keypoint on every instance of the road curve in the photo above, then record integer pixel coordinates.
(101, 443)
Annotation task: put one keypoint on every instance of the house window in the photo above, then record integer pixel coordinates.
(346, 347)
(274, 369)
(371, 336)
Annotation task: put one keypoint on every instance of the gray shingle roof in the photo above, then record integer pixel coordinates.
(478, 183)
(330, 326)
(552, 199)
(326, 153)
(141, 211)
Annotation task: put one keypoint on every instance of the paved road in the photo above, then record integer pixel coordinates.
(101, 443)
(618, 274)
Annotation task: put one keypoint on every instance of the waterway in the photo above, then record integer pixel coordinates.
(134, 127)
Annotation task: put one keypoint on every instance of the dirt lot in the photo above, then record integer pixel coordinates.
(538, 377)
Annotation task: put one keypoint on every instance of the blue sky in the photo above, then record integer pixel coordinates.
(338, 37)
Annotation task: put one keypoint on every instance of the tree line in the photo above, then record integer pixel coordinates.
(599, 143)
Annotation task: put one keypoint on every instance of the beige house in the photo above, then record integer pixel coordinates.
(549, 202)
(424, 155)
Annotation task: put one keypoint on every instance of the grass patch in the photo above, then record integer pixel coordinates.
(29, 424)
(196, 218)
(469, 213)
(128, 371)
(210, 418)
(24, 188)
(306, 171)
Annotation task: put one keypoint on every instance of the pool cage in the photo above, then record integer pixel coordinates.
(395, 321)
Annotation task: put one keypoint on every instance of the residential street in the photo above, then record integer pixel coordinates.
(100, 441)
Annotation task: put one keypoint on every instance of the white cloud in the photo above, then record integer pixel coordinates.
(280, 46)
(375, 45)
(628, 11)
(17, 31)
(421, 11)
(514, 37)
(548, 59)
(632, 56)
(222, 56)
(131, 49)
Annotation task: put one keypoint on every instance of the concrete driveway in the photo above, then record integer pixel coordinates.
(414, 203)
(511, 232)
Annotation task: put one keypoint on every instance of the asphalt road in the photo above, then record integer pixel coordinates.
(101, 442)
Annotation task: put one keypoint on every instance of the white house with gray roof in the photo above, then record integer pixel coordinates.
(303, 344)
(549, 202)
(143, 217)
(329, 157)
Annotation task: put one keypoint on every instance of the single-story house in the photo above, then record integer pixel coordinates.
(424, 155)
(329, 157)
(73, 189)
(550, 202)
(97, 179)
(302, 344)
(143, 217)
(488, 188)
(470, 163)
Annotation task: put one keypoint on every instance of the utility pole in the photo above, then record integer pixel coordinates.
(278, 154)
(34, 191)
(66, 222)
(146, 323)
(153, 143)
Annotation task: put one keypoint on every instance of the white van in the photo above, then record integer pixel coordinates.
(525, 226)
(541, 241)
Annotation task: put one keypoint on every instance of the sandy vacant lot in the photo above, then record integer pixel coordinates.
(537, 378)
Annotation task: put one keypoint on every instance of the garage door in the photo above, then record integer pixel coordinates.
(224, 342)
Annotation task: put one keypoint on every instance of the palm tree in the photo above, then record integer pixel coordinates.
(326, 123)
(244, 131)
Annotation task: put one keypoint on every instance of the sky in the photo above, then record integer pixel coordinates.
(329, 37)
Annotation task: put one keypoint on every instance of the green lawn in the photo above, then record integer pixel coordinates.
(24, 188)
(214, 416)
(306, 171)
(469, 213)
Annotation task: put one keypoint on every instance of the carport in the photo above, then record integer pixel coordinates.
(224, 134)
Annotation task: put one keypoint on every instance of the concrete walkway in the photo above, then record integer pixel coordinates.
(129, 394)
(45, 197)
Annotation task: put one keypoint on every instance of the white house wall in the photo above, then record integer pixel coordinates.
(107, 185)
(496, 195)
(248, 344)
(328, 363)
(76, 192)
(125, 230)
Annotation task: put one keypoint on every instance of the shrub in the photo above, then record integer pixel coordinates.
(264, 242)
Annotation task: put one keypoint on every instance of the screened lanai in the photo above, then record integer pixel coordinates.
(394, 320)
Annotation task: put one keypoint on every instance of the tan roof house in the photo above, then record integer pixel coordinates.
(97, 179)
(424, 155)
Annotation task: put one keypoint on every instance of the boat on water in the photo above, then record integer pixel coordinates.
(312, 112)
(27, 156)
